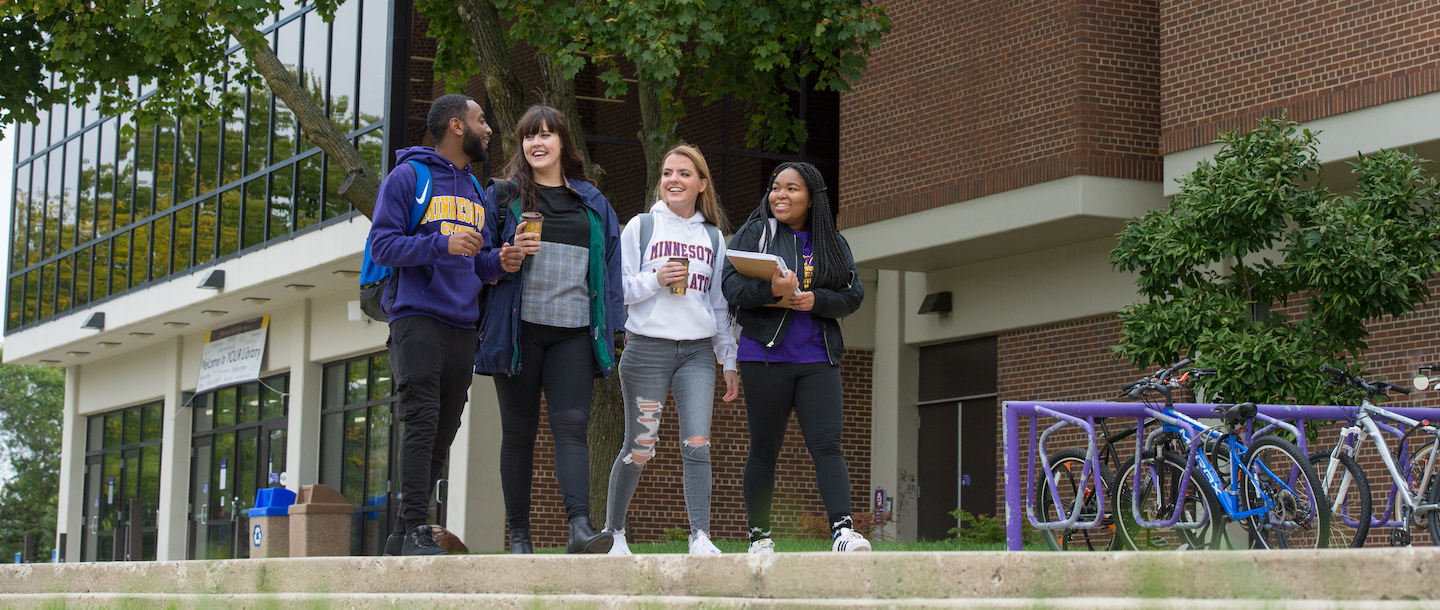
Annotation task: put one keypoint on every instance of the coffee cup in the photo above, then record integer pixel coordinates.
(530, 222)
(678, 286)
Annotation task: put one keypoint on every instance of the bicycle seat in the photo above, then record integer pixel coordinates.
(1235, 415)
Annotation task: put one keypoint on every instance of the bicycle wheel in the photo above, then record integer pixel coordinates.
(1349, 526)
(1067, 465)
(1157, 497)
(1277, 475)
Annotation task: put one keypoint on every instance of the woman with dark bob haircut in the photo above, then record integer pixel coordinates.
(543, 326)
(789, 357)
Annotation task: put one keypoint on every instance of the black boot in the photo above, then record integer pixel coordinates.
(520, 541)
(583, 539)
(420, 540)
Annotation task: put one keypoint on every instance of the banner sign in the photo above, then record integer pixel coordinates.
(233, 354)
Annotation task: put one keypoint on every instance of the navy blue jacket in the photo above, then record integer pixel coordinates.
(429, 281)
(500, 320)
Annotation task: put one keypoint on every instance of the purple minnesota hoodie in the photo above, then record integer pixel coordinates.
(429, 281)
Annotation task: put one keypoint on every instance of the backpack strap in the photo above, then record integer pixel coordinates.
(422, 195)
(502, 209)
(714, 232)
(647, 230)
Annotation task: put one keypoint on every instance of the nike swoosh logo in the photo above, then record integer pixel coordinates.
(423, 195)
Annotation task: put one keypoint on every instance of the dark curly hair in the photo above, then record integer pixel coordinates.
(832, 267)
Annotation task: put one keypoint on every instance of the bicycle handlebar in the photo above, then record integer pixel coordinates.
(1373, 388)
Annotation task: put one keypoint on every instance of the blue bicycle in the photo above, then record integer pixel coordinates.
(1190, 480)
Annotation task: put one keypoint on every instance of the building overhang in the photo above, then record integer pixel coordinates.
(1060, 212)
(255, 283)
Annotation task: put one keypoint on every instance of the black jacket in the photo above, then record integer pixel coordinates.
(749, 296)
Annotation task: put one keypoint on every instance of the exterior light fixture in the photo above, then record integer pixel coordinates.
(937, 302)
(78, 354)
(299, 287)
(142, 335)
(96, 321)
(49, 362)
(214, 281)
(256, 300)
(177, 324)
(347, 273)
(214, 313)
(108, 344)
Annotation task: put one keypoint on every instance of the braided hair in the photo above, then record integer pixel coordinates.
(832, 267)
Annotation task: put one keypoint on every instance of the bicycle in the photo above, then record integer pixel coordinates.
(1412, 476)
(1187, 480)
(1068, 468)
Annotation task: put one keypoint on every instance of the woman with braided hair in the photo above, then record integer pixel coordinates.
(789, 358)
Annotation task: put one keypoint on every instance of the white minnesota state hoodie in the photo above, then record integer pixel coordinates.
(700, 313)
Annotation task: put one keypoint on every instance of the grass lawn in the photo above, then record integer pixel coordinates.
(797, 545)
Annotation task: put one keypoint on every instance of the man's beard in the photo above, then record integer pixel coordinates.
(474, 146)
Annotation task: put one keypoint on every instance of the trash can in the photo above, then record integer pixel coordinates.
(320, 523)
(270, 523)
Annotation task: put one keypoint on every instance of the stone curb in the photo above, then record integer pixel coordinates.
(1341, 574)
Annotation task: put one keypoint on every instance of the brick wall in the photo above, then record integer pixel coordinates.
(659, 503)
(967, 99)
(1227, 63)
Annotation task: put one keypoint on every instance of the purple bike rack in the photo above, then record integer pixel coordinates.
(1019, 504)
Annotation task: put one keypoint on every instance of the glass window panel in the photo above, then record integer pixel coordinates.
(114, 429)
(120, 263)
(32, 296)
(24, 141)
(316, 65)
(144, 169)
(222, 474)
(380, 370)
(209, 166)
(96, 436)
(249, 403)
(154, 423)
(334, 390)
(114, 492)
(76, 118)
(54, 196)
(234, 140)
(125, 178)
(150, 482)
(272, 401)
(343, 65)
(249, 461)
(230, 203)
(307, 193)
(47, 291)
(185, 163)
(283, 138)
(374, 26)
(36, 217)
(165, 165)
(85, 196)
(19, 218)
(379, 465)
(332, 444)
(275, 460)
(204, 412)
(64, 283)
(200, 494)
(372, 149)
(15, 305)
(356, 381)
(224, 407)
(254, 212)
(139, 255)
(69, 194)
(42, 130)
(105, 200)
(184, 238)
(100, 285)
(57, 123)
(82, 277)
(132, 426)
(132, 484)
(257, 154)
(160, 262)
(281, 189)
(353, 477)
(205, 231)
(335, 205)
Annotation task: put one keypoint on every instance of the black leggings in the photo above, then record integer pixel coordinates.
(433, 365)
(561, 361)
(813, 391)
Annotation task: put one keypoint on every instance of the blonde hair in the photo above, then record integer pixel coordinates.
(708, 203)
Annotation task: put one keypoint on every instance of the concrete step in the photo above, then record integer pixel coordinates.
(786, 579)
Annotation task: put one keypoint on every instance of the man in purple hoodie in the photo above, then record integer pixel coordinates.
(437, 278)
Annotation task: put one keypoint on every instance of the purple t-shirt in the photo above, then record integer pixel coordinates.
(804, 342)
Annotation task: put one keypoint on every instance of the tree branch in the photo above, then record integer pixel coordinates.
(507, 102)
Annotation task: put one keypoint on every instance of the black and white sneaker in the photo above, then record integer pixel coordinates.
(420, 540)
(844, 537)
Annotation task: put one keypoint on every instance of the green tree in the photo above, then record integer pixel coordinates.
(1257, 226)
(31, 404)
(111, 49)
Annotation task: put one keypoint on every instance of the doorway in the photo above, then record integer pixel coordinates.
(958, 382)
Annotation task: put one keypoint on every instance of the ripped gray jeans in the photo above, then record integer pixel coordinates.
(650, 369)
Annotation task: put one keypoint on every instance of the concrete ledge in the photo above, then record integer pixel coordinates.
(1346, 575)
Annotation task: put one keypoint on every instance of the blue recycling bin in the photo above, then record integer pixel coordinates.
(270, 522)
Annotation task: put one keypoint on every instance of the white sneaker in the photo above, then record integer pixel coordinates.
(849, 541)
(763, 545)
(700, 545)
(619, 547)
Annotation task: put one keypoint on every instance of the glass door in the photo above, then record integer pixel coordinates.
(122, 485)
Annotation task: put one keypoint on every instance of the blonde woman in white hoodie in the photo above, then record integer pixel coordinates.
(674, 338)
